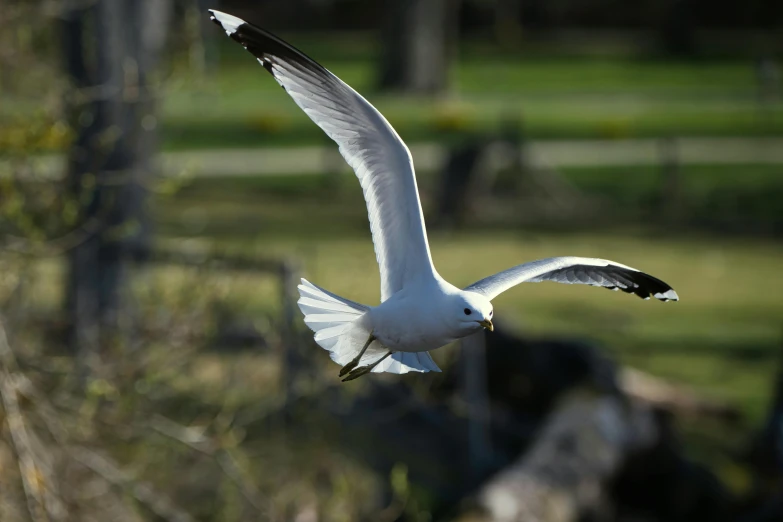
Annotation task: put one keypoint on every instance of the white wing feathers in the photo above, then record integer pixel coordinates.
(577, 270)
(368, 143)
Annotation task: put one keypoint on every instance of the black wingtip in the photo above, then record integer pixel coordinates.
(265, 46)
(643, 286)
(229, 23)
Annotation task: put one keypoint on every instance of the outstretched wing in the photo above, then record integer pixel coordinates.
(577, 270)
(368, 143)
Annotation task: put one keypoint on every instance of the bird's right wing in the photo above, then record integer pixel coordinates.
(368, 143)
(576, 270)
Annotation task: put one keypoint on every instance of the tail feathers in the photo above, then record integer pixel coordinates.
(404, 362)
(340, 329)
(315, 300)
(337, 324)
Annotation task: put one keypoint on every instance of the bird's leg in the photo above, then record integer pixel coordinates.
(355, 361)
(358, 372)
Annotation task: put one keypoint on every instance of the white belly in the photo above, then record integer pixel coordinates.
(411, 341)
(405, 325)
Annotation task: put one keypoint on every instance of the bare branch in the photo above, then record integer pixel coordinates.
(196, 440)
(143, 492)
(43, 501)
(21, 445)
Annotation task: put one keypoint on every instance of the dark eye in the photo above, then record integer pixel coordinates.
(467, 311)
(490, 313)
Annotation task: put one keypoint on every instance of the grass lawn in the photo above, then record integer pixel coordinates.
(238, 104)
(716, 195)
(556, 98)
(722, 338)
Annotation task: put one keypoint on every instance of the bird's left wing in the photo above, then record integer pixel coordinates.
(576, 270)
(368, 143)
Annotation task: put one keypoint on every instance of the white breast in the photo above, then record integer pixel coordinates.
(412, 321)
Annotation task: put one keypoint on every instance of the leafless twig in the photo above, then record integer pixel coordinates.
(43, 501)
(142, 491)
(196, 440)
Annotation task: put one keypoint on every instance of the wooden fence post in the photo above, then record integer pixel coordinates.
(291, 358)
(476, 397)
(671, 183)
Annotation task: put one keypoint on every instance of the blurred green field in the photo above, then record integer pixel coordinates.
(723, 197)
(713, 195)
(236, 104)
(201, 343)
(239, 105)
(722, 338)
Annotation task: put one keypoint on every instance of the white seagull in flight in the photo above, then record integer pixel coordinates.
(419, 310)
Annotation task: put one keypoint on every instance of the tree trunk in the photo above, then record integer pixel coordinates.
(417, 40)
(677, 29)
(110, 47)
(508, 24)
(563, 476)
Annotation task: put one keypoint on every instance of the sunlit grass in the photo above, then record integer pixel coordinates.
(239, 105)
(722, 338)
(554, 98)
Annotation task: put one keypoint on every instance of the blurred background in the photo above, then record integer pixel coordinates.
(160, 196)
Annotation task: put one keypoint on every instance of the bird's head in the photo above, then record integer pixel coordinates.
(471, 311)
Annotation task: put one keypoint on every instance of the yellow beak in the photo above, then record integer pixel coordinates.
(486, 323)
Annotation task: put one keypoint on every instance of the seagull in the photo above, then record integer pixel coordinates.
(419, 310)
